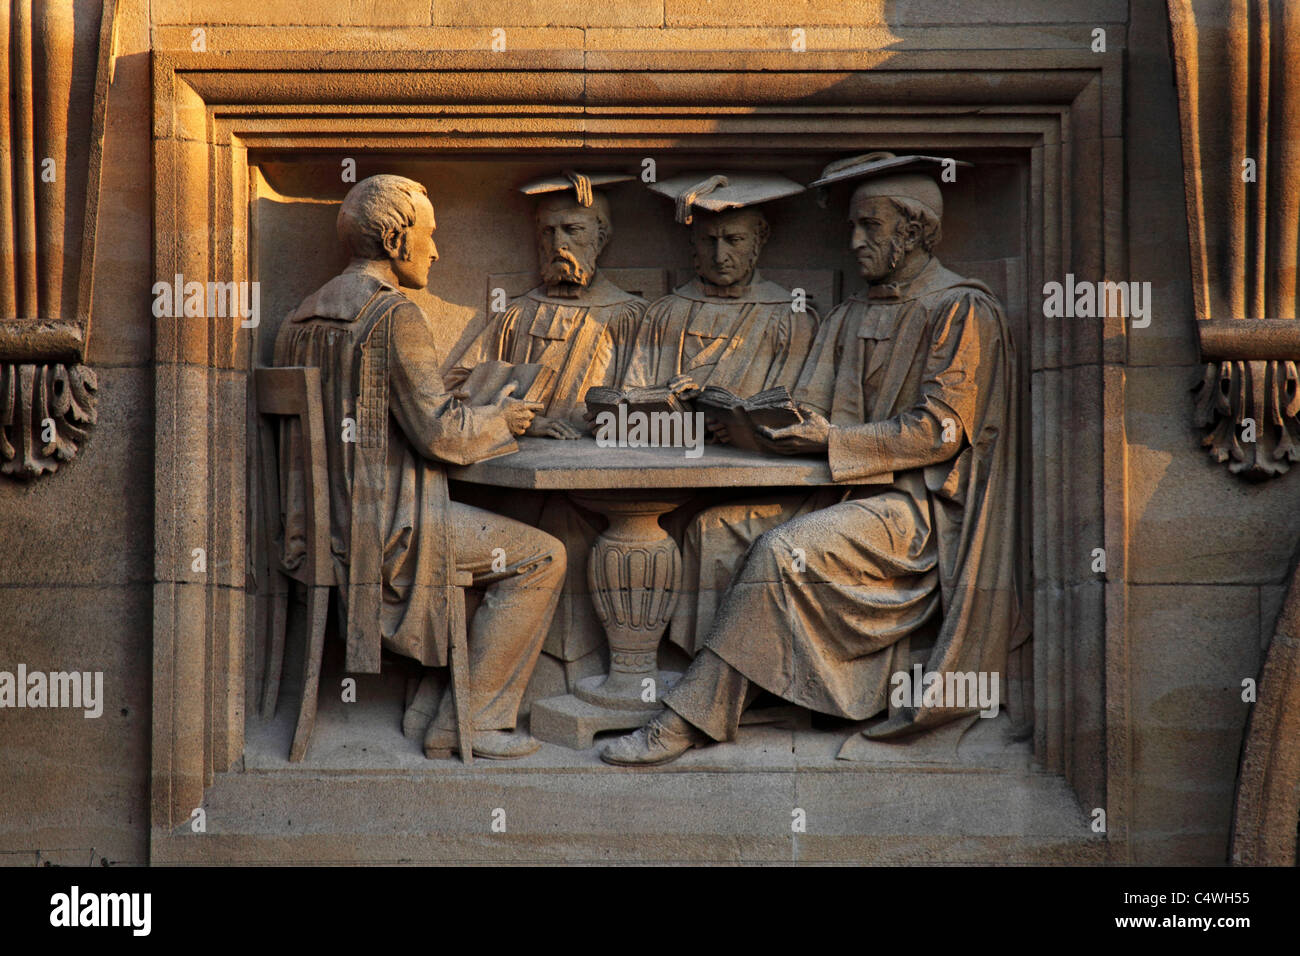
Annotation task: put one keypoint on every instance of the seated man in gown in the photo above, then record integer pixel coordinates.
(727, 326)
(390, 424)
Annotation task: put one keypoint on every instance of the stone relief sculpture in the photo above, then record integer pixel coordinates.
(396, 537)
(580, 324)
(916, 376)
(575, 321)
(728, 326)
(819, 596)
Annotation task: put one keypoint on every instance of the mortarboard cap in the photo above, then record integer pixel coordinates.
(583, 184)
(896, 177)
(721, 192)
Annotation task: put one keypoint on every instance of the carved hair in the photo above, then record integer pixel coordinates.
(374, 206)
(599, 205)
(931, 229)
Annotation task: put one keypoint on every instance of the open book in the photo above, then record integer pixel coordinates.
(532, 382)
(773, 408)
(652, 398)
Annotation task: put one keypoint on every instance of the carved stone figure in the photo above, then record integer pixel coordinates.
(915, 376)
(580, 324)
(728, 326)
(576, 320)
(395, 536)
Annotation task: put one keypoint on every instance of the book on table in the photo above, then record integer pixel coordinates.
(532, 382)
(742, 417)
(649, 399)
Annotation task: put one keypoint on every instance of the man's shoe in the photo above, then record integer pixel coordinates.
(489, 744)
(662, 739)
(422, 708)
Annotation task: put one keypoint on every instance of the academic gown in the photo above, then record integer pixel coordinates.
(586, 339)
(746, 340)
(919, 380)
(582, 337)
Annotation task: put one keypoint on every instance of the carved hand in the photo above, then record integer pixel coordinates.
(544, 427)
(810, 435)
(518, 414)
(683, 386)
(717, 430)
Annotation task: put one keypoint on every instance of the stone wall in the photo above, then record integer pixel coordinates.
(1208, 553)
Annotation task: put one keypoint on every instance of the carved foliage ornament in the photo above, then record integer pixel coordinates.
(45, 414)
(1250, 409)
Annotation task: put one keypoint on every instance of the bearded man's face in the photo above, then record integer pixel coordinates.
(725, 247)
(568, 241)
(879, 236)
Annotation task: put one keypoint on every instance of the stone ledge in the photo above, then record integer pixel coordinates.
(612, 816)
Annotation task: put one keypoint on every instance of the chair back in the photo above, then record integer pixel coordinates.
(295, 392)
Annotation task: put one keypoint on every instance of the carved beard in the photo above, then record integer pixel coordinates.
(880, 259)
(564, 266)
(702, 264)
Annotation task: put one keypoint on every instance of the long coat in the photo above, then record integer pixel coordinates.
(389, 530)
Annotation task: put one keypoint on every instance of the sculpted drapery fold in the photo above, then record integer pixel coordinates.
(746, 342)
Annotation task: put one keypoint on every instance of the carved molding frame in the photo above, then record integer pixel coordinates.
(1062, 108)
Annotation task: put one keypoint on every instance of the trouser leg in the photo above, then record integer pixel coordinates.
(712, 695)
(506, 634)
(713, 546)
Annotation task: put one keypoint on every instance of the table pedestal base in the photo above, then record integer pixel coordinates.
(635, 574)
(573, 720)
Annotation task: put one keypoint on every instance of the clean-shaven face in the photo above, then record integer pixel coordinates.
(417, 252)
(725, 247)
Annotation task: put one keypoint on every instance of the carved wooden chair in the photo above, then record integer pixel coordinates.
(296, 392)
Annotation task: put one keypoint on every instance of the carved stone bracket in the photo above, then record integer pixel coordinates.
(1251, 380)
(1237, 102)
(1250, 409)
(51, 148)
